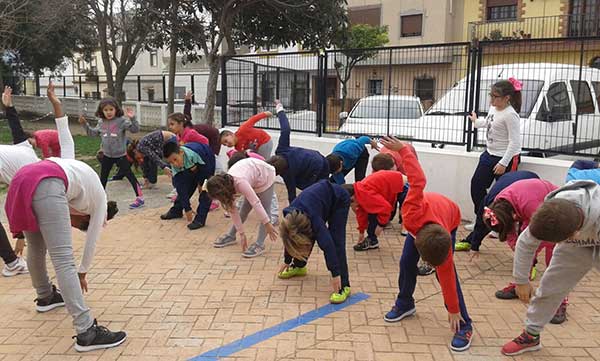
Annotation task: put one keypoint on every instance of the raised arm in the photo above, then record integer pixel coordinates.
(187, 106)
(284, 124)
(132, 125)
(255, 119)
(65, 139)
(16, 130)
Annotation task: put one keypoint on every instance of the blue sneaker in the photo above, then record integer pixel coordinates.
(397, 314)
(462, 340)
(138, 203)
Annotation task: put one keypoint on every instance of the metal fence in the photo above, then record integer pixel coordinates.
(424, 93)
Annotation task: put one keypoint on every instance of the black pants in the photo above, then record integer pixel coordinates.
(6, 251)
(186, 183)
(484, 176)
(360, 167)
(149, 170)
(106, 165)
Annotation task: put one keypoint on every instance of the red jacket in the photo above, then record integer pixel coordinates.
(419, 209)
(377, 194)
(249, 137)
(397, 157)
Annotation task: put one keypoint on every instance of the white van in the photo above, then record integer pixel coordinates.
(553, 97)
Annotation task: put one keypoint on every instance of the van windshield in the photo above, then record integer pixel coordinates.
(378, 109)
(454, 100)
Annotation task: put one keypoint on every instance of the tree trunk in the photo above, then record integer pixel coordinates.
(118, 85)
(344, 96)
(211, 89)
(172, 71)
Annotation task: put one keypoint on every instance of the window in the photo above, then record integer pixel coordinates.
(424, 88)
(370, 15)
(502, 9)
(556, 107)
(375, 87)
(153, 58)
(583, 97)
(399, 108)
(179, 92)
(332, 87)
(595, 63)
(596, 86)
(80, 65)
(411, 25)
(584, 19)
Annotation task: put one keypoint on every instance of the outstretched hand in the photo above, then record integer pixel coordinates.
(473, 117)
(188, 96)
(7, 97)
(392, 143)
(374, 144)
(50, 92)
(130, 113)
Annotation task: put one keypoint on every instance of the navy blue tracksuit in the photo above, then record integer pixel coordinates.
(326, 205)
(484, 176)
(186, 182)
(480, 231)
(305, 166)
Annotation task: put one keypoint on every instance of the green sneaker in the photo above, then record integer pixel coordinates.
(462, 246)
(292, 272)
(533, 273)
(336, 298)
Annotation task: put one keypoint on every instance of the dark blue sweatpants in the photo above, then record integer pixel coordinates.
(484, 176)
(584, 164)
(407, 279)
(186, 183)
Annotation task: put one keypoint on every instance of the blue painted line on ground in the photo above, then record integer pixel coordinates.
(260, 336)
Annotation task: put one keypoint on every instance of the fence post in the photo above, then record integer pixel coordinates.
(98, 87)
(294, 85)
(254, 89)
(324, 93)
(308, 90)
(470, 96)
(575, 125)
(277, 83)
(223, 91)
(24, 85)
(37, 85)
(64, 79)
(389, 102)
(80, 90)
(317, 91)
(164, 89)
(139, 87)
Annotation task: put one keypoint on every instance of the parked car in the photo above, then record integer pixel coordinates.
(560, 110)
(382, 115)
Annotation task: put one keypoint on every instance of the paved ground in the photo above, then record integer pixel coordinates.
(178, 297)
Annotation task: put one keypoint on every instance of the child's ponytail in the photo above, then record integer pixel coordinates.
(499, 217)
(181, 119)
(512, 88)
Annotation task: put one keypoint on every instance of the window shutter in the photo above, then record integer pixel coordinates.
(412, 25)
(370, 16)
(494, 3)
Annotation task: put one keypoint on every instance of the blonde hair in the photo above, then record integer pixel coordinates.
(296, 234)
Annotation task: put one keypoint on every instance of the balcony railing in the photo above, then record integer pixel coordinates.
(543, 27)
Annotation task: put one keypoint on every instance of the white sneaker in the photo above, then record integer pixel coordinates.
(470, 227)
(493, 234)
(173, 194)
(19, 268)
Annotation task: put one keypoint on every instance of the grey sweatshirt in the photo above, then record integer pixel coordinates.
(114, 140)
(586, 194)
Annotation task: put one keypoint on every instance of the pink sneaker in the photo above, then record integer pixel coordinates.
(173, 198)
(214, 205)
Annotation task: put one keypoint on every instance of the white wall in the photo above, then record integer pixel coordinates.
(448, 171)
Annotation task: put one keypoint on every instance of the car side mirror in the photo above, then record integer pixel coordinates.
(343, 115)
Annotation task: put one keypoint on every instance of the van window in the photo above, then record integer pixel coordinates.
(596, 86)
(529, 94)
(556, 107)
(583, 97)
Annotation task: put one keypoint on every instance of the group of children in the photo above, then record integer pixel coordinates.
(529, 214)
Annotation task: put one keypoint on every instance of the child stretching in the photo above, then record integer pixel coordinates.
(584, 170)
(480, 231)
(373, 199)
(319, 214)
(191, 164)
(503, 143)
(183, 127)
(431, 220)
(254, 179)
(299, 167)
(347, 155)
(112, 128)
(46, 139)
(569, 217)
(211, 133)
(248, 137)
(45, 200)
(515, 205)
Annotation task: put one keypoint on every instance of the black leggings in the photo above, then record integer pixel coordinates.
(6, 251)
(124, 167)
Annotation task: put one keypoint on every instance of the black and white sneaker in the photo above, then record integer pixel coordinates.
(98, 337)
(51, 302)
(425, 269)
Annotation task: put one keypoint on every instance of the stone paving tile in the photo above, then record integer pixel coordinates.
(178, 297)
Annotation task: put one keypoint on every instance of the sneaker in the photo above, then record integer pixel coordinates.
(462, 246)
(214, 205)
(275, 221)
(533, 273)
(524, 343)
(561, 314)
(138, 203)
(194, 226)
(292, 272)
(462, 340)
(470, 227)
(507, 293)
(341, 297)
(170, 215)
(226, 214)
(20, 267)
(254, 250)
(224, 241)
(396, 314)
(98, 337)
(172, 194)
(366, 245)
(493, 234)
(51, 302)
(425, 269)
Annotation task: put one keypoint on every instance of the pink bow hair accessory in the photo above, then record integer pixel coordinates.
(516, 84)
(489, 214)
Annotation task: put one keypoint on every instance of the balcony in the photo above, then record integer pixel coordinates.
(543, 27)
